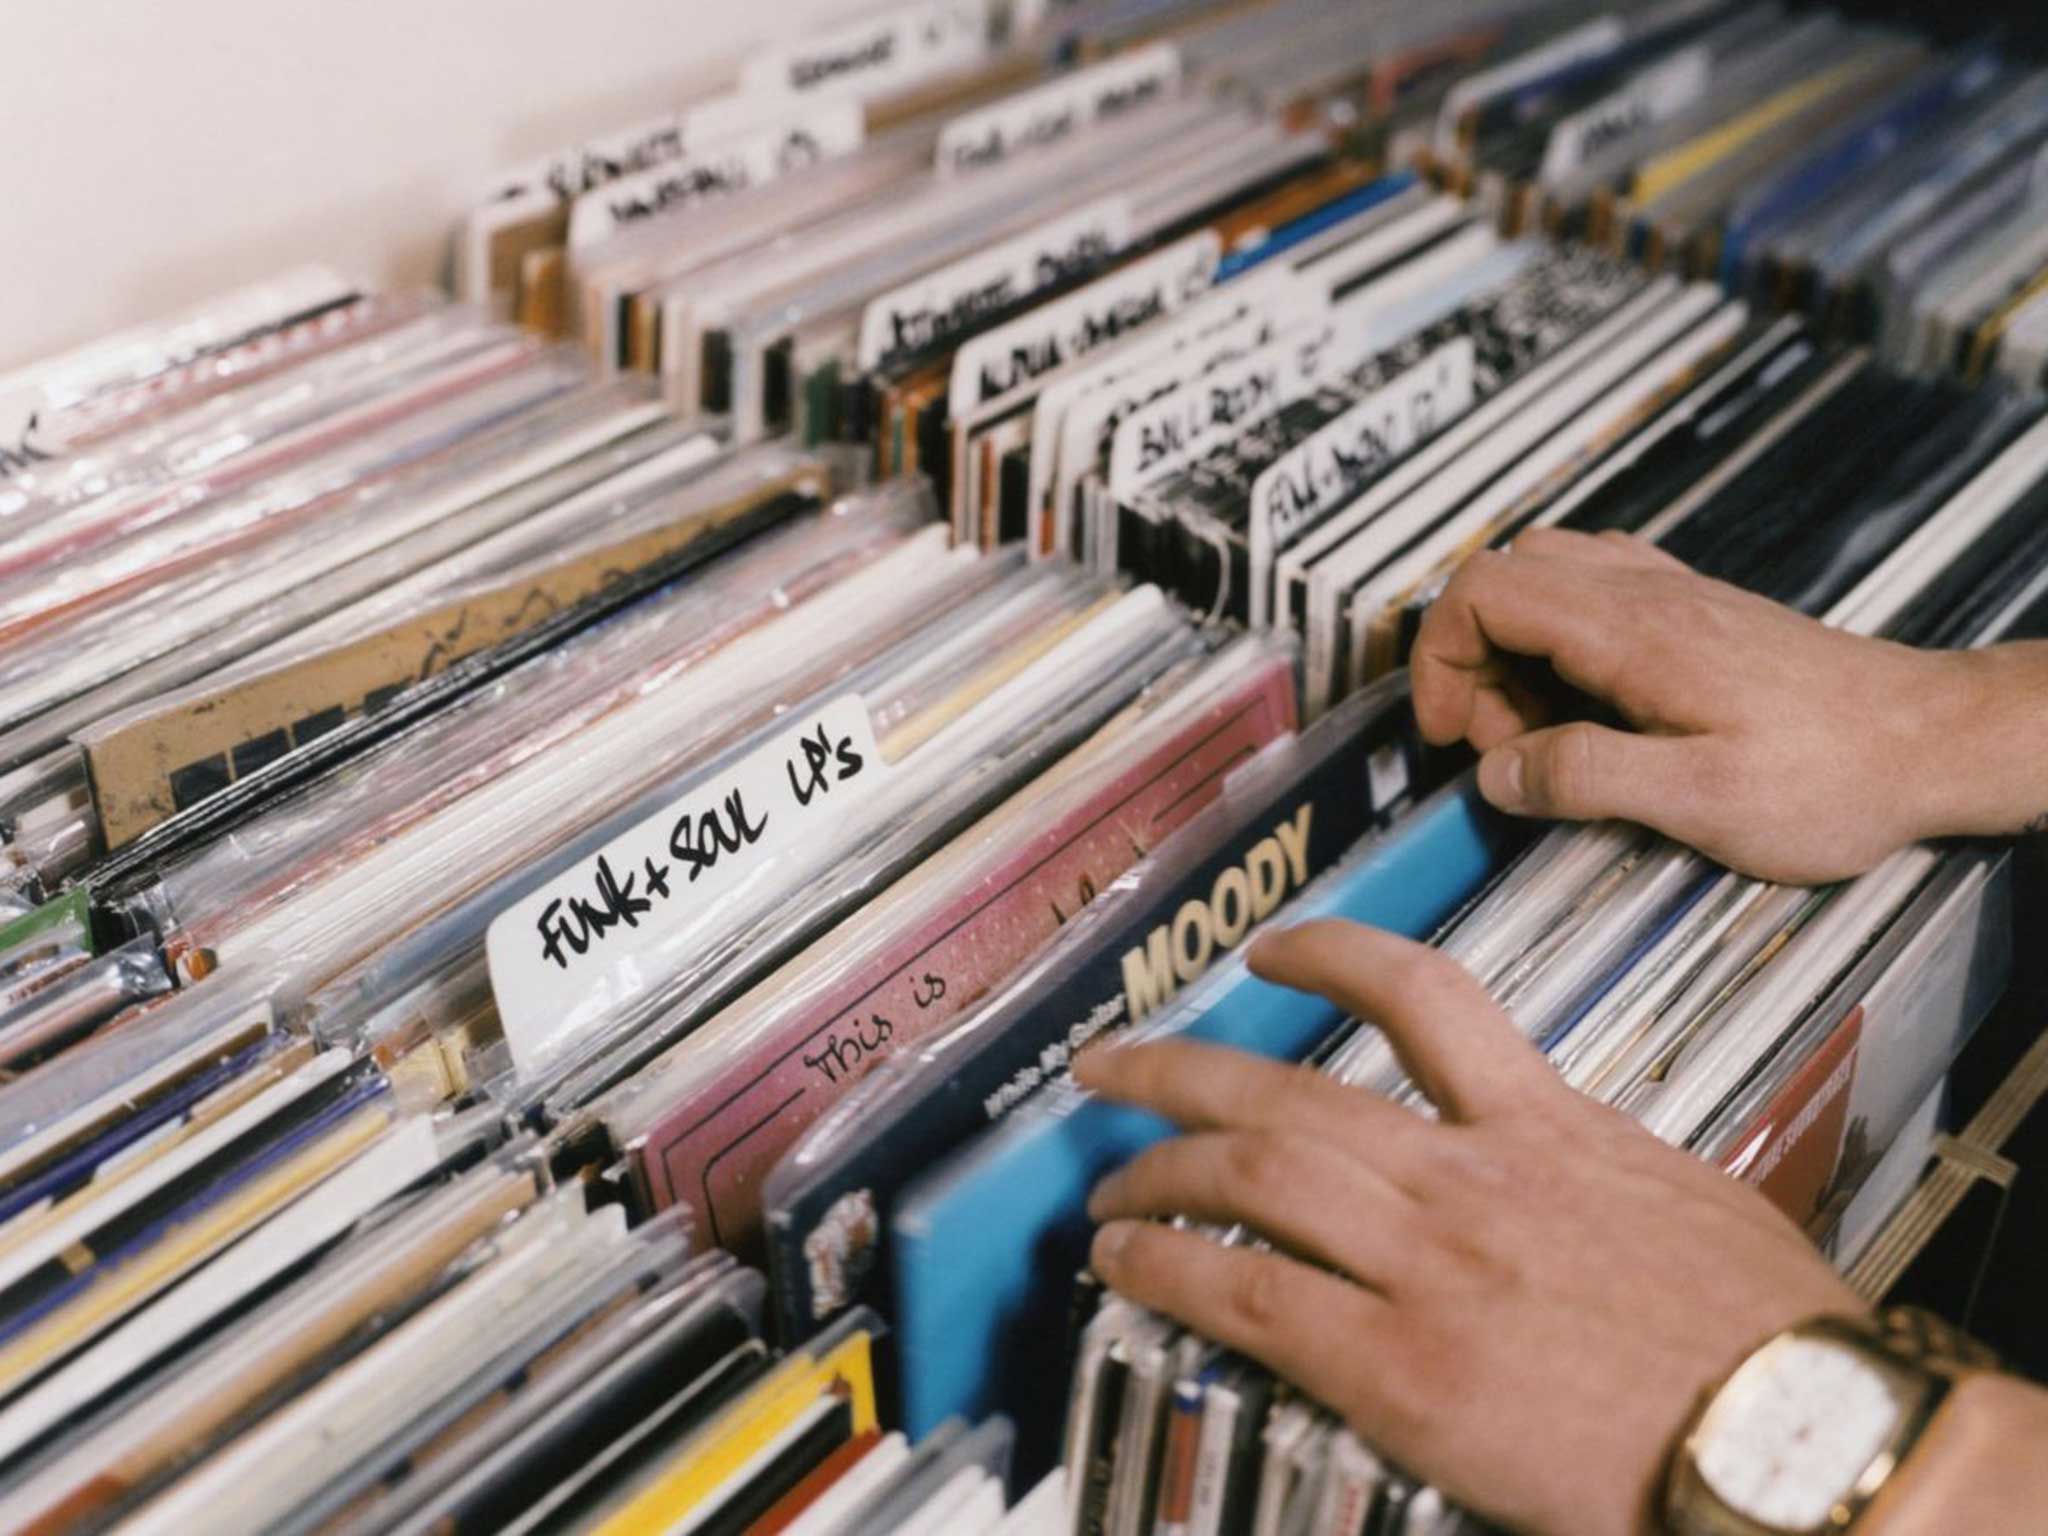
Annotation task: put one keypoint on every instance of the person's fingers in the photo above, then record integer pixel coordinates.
(1573, 614)
(1586, 772)
(1312, 1197)
(1212, 1088)
(1502, 710)
(1312, 1329)
(1450, 1037)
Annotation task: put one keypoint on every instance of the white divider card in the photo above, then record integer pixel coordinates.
(1047, 113)
(579, 936)
(1322, 472)
(1011, 358)
(1588, 41)
(955, 298)
(808, 134)
(1182, 428)
(581, 168)
(879, 53)
(1092, 421)
(1655, 95)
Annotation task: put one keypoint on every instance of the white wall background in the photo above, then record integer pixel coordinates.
(163, 150)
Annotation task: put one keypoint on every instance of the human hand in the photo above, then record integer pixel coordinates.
(1520, 1301)
(1772, 743)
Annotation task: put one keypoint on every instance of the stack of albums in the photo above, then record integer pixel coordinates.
(1798, 157)
(559, 848)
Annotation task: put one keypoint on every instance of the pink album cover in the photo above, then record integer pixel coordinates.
(715, 1150)
(123, 517)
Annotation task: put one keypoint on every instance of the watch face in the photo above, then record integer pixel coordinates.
(1793, 1432)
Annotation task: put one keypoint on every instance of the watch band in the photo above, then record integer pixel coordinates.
(1919, 1337)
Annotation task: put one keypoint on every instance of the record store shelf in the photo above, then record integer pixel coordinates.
(558, 845)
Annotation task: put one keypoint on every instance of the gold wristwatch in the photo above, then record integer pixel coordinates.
(1800, 1437)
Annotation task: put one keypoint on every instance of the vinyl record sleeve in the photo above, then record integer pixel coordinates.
(980, 722)
(619, 1374)
(1935, 972)
(830, 1203)
(777, 1468)
(815, 1484)
(861, 1485)
(626, 1460)
(555, 1266)
(383, 1273)
(842, 1360)
(996, 711)
(984, 1240)
(168, 350)
(715, 1158)
(162, 1334)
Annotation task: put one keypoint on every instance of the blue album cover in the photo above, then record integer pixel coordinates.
(1810, 179)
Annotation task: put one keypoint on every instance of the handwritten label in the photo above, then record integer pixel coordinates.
(1090, 425)
(1321, 472)
(1650, 98)
(1049, 113)
(1185, 426)
(1075, 418)
(581, 168)
(822, 132)
(955, 298)
(1011, 358)
(557, 946)
(839, 1055)
(878, 54)
(18, 415)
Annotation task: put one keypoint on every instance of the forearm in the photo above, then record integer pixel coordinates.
(1981, 1466)
(1981, 764)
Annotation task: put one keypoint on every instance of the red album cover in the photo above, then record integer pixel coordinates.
(1790, 1151)
(716, 1149)
(1397, 75)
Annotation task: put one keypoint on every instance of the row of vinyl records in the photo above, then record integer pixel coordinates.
(1792, 154)
(546, 933)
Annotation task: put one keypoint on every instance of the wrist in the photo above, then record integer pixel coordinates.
(1975, 727)
(1966, 1474)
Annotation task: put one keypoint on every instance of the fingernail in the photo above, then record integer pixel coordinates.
(1500, 777)
(1269, 939)
(1099, 1200)
(1109, 1245)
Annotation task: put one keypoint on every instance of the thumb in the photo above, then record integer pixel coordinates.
(1587, 772)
